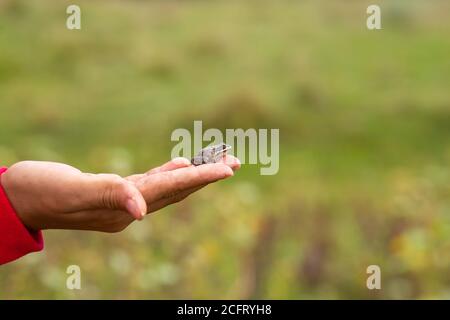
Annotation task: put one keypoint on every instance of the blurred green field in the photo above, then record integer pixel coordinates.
(364, 120)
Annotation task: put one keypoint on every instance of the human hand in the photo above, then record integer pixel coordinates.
(49, 195)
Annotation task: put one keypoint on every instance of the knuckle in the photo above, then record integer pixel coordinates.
(114, 188)
(106, 197)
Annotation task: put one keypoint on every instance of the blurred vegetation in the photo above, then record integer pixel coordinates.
(364, 119)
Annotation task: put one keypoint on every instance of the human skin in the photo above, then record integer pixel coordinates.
(48, 195)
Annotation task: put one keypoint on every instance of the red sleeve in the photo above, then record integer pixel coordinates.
(15, 239)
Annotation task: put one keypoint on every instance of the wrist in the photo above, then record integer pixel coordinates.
(8, 184)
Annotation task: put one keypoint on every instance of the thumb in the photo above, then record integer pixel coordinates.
(116, 193)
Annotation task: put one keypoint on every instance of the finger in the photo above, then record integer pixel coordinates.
(231, 161)
(113, 220)
(155, 206)
(133, 202)
(167, 184)
(173, 164)
(107, 191)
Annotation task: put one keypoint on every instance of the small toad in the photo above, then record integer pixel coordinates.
(211, 154)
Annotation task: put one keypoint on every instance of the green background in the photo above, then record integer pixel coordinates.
(364, 119)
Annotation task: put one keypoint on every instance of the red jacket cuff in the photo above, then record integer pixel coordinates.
(15, 239)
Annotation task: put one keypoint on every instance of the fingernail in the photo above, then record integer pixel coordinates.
(133, 208)
(143, 213)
